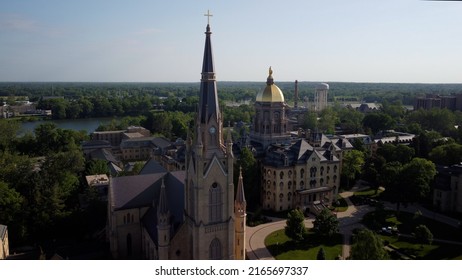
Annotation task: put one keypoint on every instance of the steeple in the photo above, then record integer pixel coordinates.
(239, 220)
(208, 100)
(162, 208)
(163, 225)
(240, 196)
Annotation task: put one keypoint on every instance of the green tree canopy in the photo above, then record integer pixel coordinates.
(367, 246)
(295, 226)
(378, 121)
(10, 204)
(448, 154)
(353, 162)
(423, 235)
(326, 223)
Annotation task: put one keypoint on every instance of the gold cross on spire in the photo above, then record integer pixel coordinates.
(208, 15)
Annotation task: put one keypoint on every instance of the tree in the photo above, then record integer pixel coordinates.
(350, 120)
(10, 204)
(310, 120)
(423, 235)
(327, 120)
(352, 164)
(326, 224)
(378, 121)
(448, 154)
(9, 130)
(417, 176)
(367, 246)
(409, 182)
(97, 166)
(399, 153)
(321, 254)
(248, 163)
(295, 225)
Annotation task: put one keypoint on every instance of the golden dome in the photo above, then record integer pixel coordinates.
(271, 93)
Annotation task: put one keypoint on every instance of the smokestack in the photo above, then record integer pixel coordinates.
(296, 95)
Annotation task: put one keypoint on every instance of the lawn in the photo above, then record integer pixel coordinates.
(283, 248)
(371, 193)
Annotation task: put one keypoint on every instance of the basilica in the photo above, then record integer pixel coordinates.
(189, 214)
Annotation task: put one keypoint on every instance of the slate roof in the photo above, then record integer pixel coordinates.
(298, 153)
(138, 191)
(103, 154)
(161, 142)
(152, 166)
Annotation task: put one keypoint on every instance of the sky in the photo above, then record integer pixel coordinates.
(399, 41)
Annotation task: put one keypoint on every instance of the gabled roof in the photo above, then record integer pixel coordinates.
(103, 154)
(161, 142)
(152, 166)
(134, 191)
(300, 148)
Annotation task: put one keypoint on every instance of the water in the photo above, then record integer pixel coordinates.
(89, 125)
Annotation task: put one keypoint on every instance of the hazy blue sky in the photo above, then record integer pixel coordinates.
(163, 41)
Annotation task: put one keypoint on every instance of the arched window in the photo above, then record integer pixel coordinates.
(335, 168)
(313, 171)
(335, 179)
(322, 170)
(302, 185)
(328, 169)
(289, 195)
(290, 174)
(215, 203)
(281, 186)
(289, 185)
(281, 175)
(302, 173)
(215, 250)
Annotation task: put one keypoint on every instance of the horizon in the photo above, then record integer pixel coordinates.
(397, 41)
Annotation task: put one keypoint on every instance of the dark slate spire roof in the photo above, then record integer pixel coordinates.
(208, 102)
(162, 208)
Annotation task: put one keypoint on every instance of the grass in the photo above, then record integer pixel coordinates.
(283, 248)
(369, 193)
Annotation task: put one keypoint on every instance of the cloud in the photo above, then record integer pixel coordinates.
(12, 22)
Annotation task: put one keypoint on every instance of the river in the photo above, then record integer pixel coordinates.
(89, 125)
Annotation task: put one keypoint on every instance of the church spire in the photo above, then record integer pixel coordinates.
(240, 196)
(162, 208)
(208, 100)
